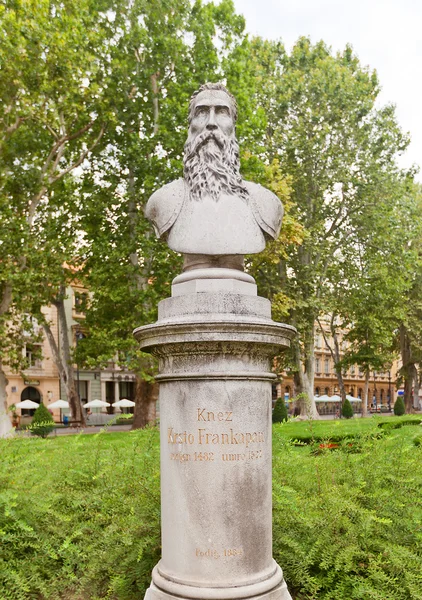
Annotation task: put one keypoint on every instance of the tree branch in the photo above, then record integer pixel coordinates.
(79, 160)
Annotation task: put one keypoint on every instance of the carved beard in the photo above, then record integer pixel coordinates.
(212, 166)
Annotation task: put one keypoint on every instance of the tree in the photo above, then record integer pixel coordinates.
(54, 62)
(399, 408)
(163, 54)
(337, 148)
(409, 335)
(42, 422)
(280, 411)
(346, 409)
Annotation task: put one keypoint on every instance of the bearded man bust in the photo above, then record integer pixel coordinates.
(212, 216)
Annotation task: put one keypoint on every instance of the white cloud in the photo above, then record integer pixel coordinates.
(385, 34)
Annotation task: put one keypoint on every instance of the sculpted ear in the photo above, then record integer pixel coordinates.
(267, 209)
(164, 206)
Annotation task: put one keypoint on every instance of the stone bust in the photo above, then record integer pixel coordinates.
(212, 216)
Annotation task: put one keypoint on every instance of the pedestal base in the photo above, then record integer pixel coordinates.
(280, 592)
(215, 340)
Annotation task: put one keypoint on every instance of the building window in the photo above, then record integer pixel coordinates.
(318, 365)
(81, 300)
(326, 366)
(33, 355)
(327, 391)
(317, 391)
(352, 370)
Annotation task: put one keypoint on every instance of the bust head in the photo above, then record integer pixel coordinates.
(211, 151)
(212, 106)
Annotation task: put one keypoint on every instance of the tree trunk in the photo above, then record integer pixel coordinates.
(146, 395)
(365, 394)
(304, 376)
(5, 423)
(63, 360)
(407, 369)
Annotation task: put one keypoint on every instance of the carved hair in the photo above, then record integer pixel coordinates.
(212, 165)
(213, 86)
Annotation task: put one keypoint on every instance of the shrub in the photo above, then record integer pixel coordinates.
(280, 411)
(42, 423)
(347, 410)
(399, 407)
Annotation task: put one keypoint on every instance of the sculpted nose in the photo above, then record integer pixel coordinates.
(211, 125)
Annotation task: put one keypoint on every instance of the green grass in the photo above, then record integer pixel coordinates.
(338, 429)
(80, 515)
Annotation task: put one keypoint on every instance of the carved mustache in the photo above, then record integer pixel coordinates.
(204, 137)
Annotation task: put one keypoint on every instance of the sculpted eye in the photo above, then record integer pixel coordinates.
(223, 110)
(201, 111)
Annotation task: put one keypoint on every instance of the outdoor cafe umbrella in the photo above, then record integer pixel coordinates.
(323, 398)
(59, 404)
(27, 404)
(352, 399)
(124, 403)
(96, 404)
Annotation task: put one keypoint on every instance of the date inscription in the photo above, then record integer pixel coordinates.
(216, 554)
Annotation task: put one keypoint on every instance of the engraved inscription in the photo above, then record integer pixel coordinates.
(213, 553)
(205, 415)
(236, 446)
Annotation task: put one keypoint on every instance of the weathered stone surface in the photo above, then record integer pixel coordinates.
(212, 211)
(215, 340)
(214, 353)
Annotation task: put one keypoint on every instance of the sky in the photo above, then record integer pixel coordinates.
(386, 35)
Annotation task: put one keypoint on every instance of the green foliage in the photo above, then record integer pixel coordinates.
(334, 535)
(80, 516)
(280, 411)
(346, 409)
(399, 408)
(42, 422)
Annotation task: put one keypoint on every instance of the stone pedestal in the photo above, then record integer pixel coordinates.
(214, 339)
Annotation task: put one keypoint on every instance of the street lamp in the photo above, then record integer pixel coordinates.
(389, 391)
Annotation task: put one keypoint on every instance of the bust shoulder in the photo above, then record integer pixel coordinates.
(164, 206)
(266, 207)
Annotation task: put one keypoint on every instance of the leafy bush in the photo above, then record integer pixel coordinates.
(399, 407)
(42, 422)
(80, 516)
(280, 411)
(388, 425)
(347, 410)
(334, 536)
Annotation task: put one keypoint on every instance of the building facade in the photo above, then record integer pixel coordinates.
(382, 391)
(40, 382)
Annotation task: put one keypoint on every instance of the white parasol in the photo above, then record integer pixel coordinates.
(124, 403)
(96, 404)
(27, 404)
(59, 404)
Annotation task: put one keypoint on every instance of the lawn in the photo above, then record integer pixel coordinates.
(79, 515)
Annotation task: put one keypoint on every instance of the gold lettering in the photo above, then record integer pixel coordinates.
(202, 415)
